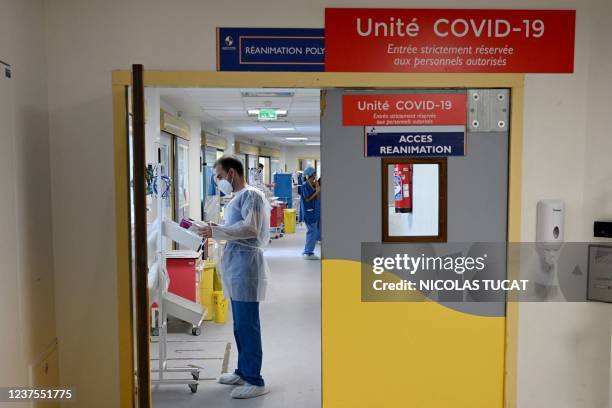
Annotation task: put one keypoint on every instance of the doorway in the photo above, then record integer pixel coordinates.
(265, 162)
(191, 339)
(340, 284)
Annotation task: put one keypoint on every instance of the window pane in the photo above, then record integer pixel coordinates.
(413, 199)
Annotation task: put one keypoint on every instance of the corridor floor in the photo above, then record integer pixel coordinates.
(291, 331)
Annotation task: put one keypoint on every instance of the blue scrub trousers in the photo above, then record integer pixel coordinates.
(247, 332)
(313, 234)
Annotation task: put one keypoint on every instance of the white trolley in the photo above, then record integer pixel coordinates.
(158, 281)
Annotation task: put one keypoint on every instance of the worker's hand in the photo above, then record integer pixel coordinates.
(206, 232)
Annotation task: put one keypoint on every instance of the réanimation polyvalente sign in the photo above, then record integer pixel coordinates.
(270, 49)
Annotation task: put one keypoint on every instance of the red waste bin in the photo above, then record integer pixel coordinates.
(182, 270)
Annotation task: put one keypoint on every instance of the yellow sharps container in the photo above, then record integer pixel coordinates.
(221, 307)
(289, 220)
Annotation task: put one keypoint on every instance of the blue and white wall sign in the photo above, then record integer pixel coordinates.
(270, 49)
(415, 141)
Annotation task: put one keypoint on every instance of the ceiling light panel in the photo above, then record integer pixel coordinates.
(281, 129)
(307, 127)
(251, 129)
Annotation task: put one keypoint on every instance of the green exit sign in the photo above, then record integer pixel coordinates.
(266, 114)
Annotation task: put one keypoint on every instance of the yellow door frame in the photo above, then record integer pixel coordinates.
(319, 80)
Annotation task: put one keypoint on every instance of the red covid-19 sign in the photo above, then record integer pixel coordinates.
(404, 109)
(449, 40)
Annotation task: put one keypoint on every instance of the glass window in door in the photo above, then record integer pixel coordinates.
(181, 178)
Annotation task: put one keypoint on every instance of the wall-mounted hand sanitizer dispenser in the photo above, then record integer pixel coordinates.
(550, 231)
(550, 228)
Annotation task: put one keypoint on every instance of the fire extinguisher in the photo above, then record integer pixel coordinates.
(402, 187)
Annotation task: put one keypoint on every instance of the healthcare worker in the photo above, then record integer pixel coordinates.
(258, 177)
(243, 270)
(311, 212)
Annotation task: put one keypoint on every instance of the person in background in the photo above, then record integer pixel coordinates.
(243, 271)
(311, 211)
(300, 181)
(258, 177)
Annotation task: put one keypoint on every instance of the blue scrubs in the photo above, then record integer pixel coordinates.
(318, 211)
(301, 210)
(312, 218)
(247, 333)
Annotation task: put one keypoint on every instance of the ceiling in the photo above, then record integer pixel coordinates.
(225, 109)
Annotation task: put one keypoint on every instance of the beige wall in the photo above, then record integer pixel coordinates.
(563, 349)
(26, 251)
(291, 154)
(230, 138)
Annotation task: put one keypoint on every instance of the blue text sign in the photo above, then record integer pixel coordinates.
(270, 49)
(415, 141)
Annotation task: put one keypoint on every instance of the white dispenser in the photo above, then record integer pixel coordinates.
(550, 231)
(550, 228)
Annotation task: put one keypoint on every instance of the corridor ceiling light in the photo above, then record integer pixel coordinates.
(281, 129)
(296, 138)
(313, 144)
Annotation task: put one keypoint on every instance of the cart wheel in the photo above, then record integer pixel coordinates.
(196, 331)
(195, 375)
(154, 331)
(193, 388)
